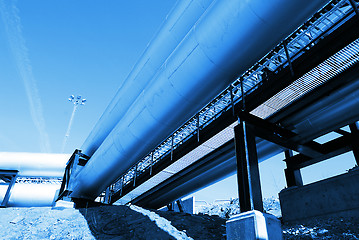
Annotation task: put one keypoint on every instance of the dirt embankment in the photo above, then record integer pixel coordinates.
(120, 222)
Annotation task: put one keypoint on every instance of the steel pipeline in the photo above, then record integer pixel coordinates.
(339, 109)
(229, 37)
(179, 21)
(34, 164)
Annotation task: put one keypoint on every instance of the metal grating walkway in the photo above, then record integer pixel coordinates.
(321, 24)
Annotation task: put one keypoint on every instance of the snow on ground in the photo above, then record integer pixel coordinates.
(43, 223)
(318, 228)
(122, 222)
(313, 232)
(162, 223)
(226, 209)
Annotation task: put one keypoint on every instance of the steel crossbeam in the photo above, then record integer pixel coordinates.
(254, 80)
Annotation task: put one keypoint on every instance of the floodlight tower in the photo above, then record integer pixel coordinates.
(77, 101)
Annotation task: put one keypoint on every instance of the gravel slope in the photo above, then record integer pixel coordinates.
(120, 222)
(43, 223)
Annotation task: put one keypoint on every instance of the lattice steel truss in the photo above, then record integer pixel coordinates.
(300, 41)
(38, 180)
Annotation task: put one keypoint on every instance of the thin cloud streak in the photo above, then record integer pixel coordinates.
(11, 19)
(67, 135)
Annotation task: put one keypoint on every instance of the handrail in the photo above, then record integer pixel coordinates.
(300, 41)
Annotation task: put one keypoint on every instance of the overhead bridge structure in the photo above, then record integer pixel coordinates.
(223, 85)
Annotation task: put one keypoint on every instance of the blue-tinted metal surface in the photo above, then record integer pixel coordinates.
(34, 164)
(340, 109)
(230, 37)
(307, 35)
(179, 21)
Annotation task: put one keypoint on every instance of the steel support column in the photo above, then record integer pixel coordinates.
(292, 176)
(288, 58)
(354, 129)
(9, 177)
(107, 198)
(249, 187)
(353, 4)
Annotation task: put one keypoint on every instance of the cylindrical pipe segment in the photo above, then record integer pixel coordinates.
(330, 113)
(34, 164)
(337, 110)
(30, 195)
(179, 21)
(229, 38)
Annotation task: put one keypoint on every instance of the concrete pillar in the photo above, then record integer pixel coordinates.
(334, 197)
(253, 225)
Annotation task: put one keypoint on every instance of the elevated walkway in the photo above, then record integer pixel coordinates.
(323, 58)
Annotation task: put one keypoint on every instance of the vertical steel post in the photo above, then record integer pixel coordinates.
(197, 124)
(107, 199)
(8, 191)
(180, 206)
(121, 185)
(242, 92)
(151, 164)
(352, 3)
(172, 147)
(292, 176)
(134, 177)
(288, 58)
(232, 100)
(249, 187)
(354, 129)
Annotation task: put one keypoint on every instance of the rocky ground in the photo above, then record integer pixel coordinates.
(122, 222)
(326, 228)
(321, 228)
(43, 223)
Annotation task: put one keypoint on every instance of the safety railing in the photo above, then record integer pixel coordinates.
(38, 180)
(300, 41)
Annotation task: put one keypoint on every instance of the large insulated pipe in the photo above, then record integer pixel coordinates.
(30, 195)
(343, 106)
(330, 113)
(179, 21)
(229, 37)
(34, 164)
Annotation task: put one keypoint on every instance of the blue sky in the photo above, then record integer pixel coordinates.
(53, 49)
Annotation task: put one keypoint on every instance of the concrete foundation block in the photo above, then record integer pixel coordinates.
(333, 197)
(188, 206)
(253, 225)
(63, 205)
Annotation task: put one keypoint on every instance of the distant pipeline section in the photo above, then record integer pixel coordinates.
(227, 39)
(34, 164)
(38, 168)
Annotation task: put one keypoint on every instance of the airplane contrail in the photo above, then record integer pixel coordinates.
(67, 135)
(12, 21)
